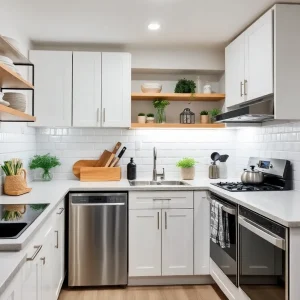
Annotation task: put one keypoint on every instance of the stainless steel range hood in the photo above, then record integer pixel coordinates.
(253, 112)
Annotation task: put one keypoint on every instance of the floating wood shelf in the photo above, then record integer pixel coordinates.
(177, 97)
(10, 114)
(176, 125)
(10, 79)
(12, 52)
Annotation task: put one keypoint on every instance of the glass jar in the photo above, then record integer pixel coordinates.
(47, 175)
(160, 115)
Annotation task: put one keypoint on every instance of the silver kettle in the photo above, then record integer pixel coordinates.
(252, 176)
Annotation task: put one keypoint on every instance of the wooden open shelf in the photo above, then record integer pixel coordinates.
(176, 125)
(10, 79)
(12, 52)
(177, 97)
(10, 114)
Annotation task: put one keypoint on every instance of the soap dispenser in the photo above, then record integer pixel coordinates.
(131, 170)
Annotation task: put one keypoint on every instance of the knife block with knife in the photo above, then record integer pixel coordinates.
(103, 169)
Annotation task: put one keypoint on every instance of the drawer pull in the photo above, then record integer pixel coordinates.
(162, 199)
(56, 231)
(166, 220)
(158, 220)
(61, 211)
(38, 249)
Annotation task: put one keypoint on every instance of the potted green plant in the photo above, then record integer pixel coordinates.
(160, 106)
(185, 86)
(204, 117)
(141, 118)
(187, 168)
(45, 162)
(150, 118)
(213, 113)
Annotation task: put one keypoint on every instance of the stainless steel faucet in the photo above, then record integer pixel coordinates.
(155, 174)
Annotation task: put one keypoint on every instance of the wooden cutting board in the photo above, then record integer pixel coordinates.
(107, 156)
(82, 163)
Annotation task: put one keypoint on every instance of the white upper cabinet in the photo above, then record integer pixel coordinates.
(116, 90)
(249, 63)
(235, 71)
(53, 87)
(178, 242)
(259, 58)
(86, 89)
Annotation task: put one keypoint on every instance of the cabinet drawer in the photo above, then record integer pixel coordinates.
(160, 199)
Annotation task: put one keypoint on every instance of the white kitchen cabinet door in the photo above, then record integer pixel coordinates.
(47, 261)
(116, 89)
(53, 87)
(59, 249)
(259, 58)
(86, 89)
(177, 242)
(201, 233)
(235, 71)
(145, 242)
(13, 291)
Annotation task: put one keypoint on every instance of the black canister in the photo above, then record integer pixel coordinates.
(131, 170)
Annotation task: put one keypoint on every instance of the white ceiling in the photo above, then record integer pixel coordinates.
(183, 22)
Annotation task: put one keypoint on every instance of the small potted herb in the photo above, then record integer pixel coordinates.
(213, 113)
(150, 118)
(204, 117)
(187, 167)
(141, 118)
(45, 162)
(160, 106)
(185, 86)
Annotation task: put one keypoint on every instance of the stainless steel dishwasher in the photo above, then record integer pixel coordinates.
(98, 247)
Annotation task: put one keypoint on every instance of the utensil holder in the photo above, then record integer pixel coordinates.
(16, 185)
(100, 174)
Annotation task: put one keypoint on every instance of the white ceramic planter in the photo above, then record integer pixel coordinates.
(141, 119)
(187, 173)
(150, 120)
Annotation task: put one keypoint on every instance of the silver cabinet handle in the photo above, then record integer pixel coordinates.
(158, 220)
(166, 220)
(56, 238)
(103, 115)
(98, 115)
(245, 85)
(263, 233)
(43, 259)
(61, 211)
(38, 249)
(241, 88)
(162, 199)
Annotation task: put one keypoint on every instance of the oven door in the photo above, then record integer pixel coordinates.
(263, 273)
(226, 258)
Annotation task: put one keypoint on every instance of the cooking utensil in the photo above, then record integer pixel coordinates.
(80, 164)
(215, 156)
(107, 156)
(116, 160)
(252, 176)
(223, 158)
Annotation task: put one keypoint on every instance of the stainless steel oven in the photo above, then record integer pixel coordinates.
(226, 258)
(263, 257)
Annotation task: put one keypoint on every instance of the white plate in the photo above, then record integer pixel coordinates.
(4, 103)
(6, 59)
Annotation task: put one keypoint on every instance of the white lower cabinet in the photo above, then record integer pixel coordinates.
(177, 242)
(13, 291)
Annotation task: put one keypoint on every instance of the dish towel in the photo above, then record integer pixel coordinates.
(219, 229)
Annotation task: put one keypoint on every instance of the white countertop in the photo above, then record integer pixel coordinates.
(282, 207)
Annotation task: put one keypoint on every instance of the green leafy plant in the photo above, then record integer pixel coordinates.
(186, 162)
(45, 162)
(141, 114)
(38, 206)
(214, 112)
(12, 167)
(204, 113)
(160, 103)
(150, 115)
(185, 86)
(11, 215)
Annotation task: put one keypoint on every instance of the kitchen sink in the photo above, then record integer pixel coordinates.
(11, 230)
(157, 183)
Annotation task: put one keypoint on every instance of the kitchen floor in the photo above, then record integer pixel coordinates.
(190, 292)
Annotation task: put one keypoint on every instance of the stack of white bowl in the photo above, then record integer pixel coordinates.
(9, 63)
(151, 87)
(16, 100)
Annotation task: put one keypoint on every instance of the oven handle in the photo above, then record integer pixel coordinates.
(225, 208)
(262, 232)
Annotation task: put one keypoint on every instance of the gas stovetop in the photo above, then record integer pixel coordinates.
(241, 187)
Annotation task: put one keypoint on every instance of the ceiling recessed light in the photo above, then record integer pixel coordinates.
(153, 26)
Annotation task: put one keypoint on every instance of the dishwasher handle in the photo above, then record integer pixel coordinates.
(98, 204)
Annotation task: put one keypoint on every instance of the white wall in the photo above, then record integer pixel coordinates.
(16, 139)
(75, 144)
